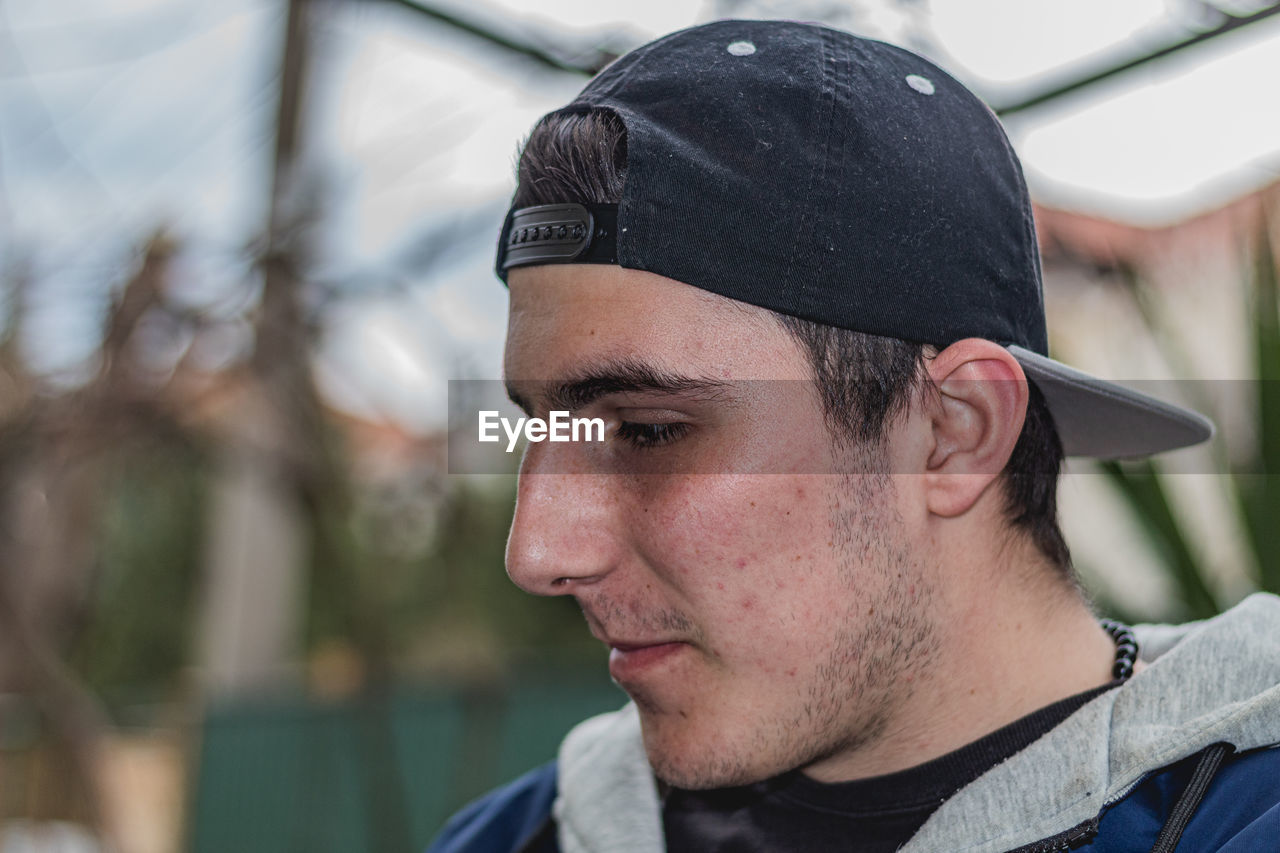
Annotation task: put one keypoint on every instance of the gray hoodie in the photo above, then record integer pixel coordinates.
(1211, 681)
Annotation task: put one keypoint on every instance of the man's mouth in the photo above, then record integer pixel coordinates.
(631, 661)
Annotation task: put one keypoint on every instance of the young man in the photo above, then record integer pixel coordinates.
(795, 274)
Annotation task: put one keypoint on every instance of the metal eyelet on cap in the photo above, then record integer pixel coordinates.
(923, 85)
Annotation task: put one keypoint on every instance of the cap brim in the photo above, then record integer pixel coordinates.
(1109, 421)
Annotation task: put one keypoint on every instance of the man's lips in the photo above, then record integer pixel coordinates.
(631, 660)
(634, 645)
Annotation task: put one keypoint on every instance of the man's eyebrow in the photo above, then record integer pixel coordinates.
(620, 376)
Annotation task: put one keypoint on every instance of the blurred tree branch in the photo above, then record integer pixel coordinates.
(560, 57)
(284, 425)
(52, 482)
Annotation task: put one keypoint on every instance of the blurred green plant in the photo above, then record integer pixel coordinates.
(464, 614)
(137, 635)
(1252, 472)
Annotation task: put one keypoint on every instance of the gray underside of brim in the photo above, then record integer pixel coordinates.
(1105, 420)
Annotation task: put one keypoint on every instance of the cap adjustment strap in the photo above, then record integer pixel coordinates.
(560, 234)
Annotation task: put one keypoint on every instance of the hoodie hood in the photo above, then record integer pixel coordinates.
(1206, 682)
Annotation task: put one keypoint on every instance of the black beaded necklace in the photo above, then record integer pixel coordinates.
(1126, 649)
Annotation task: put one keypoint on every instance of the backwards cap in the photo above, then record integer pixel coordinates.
(840, 180)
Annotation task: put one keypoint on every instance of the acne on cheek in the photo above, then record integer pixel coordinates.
(764, 665)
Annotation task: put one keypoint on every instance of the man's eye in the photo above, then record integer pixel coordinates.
(650, 435)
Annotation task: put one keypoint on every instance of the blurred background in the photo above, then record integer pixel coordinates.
(244, 246)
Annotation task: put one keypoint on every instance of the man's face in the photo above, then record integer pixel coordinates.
(763, 616)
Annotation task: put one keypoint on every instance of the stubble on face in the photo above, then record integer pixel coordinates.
(883, 637)
(888, 638)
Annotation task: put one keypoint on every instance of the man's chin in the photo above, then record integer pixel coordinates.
(684, 755)
(693, 772)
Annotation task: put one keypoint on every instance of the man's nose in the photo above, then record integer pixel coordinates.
(562, 535)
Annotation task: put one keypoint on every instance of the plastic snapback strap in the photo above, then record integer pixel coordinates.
(559, 234)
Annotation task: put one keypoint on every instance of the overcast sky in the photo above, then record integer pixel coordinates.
(118, 115)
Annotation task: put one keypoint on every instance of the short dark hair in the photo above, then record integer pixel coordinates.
(865, 380)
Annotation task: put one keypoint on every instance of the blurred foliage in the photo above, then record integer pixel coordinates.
(470, 586)
(444, 600)
(1259, 489)
(449, 605)
(138, 632)
(1253, 471)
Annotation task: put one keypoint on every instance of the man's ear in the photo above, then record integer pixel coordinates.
(981, 403)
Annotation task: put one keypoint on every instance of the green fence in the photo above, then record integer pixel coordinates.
(374, 774)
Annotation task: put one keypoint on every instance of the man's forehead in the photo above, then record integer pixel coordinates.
(568, 319)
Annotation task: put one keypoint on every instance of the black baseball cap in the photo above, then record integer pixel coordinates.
(840, 180)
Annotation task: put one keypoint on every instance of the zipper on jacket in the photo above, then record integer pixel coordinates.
(1183, 810)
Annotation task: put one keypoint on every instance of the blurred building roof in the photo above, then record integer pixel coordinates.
(1070, 237)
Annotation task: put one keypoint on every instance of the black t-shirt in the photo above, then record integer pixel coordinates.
(793, 812)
